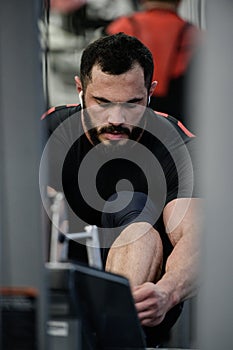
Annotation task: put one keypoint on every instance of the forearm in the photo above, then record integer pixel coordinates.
(180, 280)
(183, 222)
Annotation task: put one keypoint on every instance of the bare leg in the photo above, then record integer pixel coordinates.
(137, 254)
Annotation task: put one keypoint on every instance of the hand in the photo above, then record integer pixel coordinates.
(151, 303)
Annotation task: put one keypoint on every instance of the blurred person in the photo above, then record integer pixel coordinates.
(66, 6)
(109, 8)
(173, 42)
(131, 172)
(73, 24)
(81, 14)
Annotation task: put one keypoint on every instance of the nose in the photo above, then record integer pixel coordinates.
(116, 115)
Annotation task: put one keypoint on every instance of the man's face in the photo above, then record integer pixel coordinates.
(114, 106)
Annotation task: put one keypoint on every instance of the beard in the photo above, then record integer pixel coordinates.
(113, 145)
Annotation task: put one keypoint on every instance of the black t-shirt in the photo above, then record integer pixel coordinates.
(161, 164)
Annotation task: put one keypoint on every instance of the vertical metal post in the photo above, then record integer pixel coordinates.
(216, 124)
(21, 104)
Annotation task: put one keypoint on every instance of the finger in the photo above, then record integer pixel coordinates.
(151, 322)
(148, 319)
(141, 292)
(151, 319)
(139, 296)
(143, 315)
(140, 306)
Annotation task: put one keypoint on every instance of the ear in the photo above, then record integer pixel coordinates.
(78, 84)
(152, 87)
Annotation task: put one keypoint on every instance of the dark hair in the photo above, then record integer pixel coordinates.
(116, 54)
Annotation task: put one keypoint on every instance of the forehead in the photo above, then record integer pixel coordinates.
(125, 84)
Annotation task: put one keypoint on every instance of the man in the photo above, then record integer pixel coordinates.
(129, 171)
(173, 42)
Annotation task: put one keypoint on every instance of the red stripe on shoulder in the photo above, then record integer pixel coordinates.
(161, 113)
(53, 109)
(181, 126)
(185, 130)
(50, 110)
(73, 105)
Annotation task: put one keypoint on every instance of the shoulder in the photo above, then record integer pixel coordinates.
(172, 121)
(55, 116)
(61, 111)
(191, 34)
(121, 24)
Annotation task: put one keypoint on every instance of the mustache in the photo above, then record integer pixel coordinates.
(111, 129)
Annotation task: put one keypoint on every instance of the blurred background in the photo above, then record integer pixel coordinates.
(70, 25)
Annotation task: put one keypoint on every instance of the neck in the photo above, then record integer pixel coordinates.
(172, 6)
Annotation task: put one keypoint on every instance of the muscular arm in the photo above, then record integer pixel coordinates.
(183, 223)
(137, 254)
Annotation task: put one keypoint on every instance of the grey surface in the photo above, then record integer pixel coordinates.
(21, 104)
(216, 86)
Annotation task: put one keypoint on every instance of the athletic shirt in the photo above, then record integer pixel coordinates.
(161, 164)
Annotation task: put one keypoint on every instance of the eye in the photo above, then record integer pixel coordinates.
(104, 104)
(129, 105)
